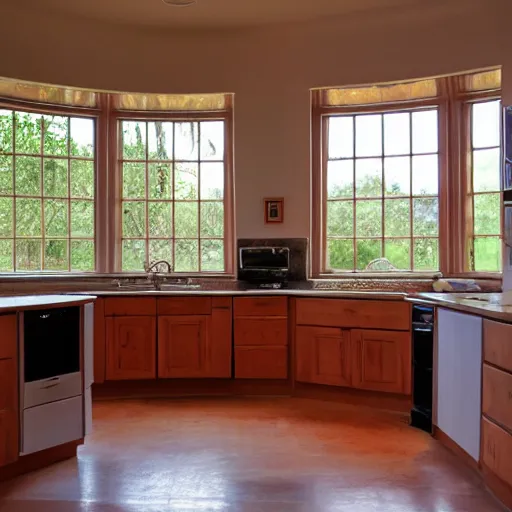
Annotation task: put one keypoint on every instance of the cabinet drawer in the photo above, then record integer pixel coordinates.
(124, 306)
(261, 362)
(368, 314)
(8, 340)
(497, 395)
(260, 306)
(185, 306)
(261, 331)
(498, 344)
(497, 450)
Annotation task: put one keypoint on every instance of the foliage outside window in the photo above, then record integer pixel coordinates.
(390, 158)
(173, 194)
(47, 191)
(382, 188)
(485, 253)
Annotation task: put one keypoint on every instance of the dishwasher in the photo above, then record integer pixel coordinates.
(422, 366)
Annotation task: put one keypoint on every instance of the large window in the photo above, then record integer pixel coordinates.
(485, 253)
(407, 176)
(173, 194)
(382, 188)
(109, 182)
(47, 191)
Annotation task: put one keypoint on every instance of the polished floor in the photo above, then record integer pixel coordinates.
(250, 455)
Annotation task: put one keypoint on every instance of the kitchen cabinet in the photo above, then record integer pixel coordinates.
(9, 417)
(363, 344)
(381, 360)
(194, 345)
(497, 450)
(183, 346)
(323, 356)
(131, 347)
(99, 341)
(458, 365)
(261, 337)
(359, 314)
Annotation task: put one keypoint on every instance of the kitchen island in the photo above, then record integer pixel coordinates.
(45, 378)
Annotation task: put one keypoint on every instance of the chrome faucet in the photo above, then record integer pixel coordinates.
(153, 267)
(153, 272)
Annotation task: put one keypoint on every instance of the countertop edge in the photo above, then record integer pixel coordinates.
(382, 295)
(15, 303)
(483, 311)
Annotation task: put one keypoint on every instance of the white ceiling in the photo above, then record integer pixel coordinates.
(209, 13)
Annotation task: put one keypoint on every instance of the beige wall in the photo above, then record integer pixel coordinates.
(270, 70)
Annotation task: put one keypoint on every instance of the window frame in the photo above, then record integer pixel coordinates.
(107, 215)
(115, 179)
(320, 119)
(455, 178)
(68, 111)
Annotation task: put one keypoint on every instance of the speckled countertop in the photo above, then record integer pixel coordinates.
(381, 295)
(481, 304)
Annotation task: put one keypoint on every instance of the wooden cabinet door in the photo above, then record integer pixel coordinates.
(381, 360)
(261, 362)
(323, 356)
(131, 347)
(9, 446)
(184, 346)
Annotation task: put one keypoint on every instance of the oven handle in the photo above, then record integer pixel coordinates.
(54, 381)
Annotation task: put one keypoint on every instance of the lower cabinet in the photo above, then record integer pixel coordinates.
(364, 359)
(381, 361)
(261, 362)
(323, 356)
(184, 346)
(261, 337)
(9, 398)
(497, 450)
(131, 347)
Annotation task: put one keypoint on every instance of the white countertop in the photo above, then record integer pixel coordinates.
(21, 302)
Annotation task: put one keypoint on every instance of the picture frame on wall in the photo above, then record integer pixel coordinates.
(274, 210)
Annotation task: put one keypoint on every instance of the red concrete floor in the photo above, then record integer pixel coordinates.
(250, 455)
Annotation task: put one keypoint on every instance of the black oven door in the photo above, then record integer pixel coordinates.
(51, 343)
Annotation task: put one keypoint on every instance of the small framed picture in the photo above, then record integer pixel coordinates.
(274, 210)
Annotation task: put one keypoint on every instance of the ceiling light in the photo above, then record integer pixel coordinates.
(179, 3)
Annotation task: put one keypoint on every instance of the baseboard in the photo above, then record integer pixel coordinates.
(373, 399)
(501, 490)
(451, 445)
(39, 460)
(178, 388)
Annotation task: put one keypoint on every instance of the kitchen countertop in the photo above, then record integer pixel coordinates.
(23, 302)
(480, 304)
(347, 294)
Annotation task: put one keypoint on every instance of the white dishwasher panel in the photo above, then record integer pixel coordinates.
(459, 378)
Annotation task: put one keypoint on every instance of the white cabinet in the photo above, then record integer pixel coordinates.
(88, 365)
(458, 367)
